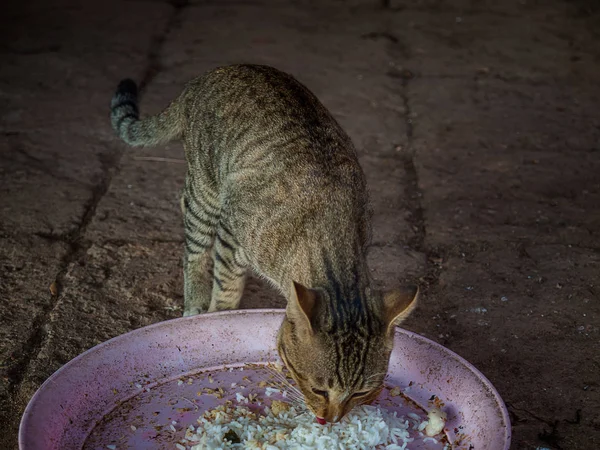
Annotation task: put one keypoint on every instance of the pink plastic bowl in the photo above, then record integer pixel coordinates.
(143, 369)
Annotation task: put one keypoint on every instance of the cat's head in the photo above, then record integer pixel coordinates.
(339, 356)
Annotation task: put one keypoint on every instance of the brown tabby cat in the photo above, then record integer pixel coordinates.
(274, 185)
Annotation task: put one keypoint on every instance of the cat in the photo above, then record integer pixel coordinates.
(273, 185)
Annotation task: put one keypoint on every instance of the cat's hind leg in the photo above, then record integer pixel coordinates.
(229, 274)
(200, 216)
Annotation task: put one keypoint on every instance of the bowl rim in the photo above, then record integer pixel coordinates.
(27, 413)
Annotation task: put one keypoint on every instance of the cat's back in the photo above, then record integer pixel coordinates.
(262, 90)
(266, 104)
(266, 127)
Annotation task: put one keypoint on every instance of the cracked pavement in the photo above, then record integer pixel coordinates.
(478, 127)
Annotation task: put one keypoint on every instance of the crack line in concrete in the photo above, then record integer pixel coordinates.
(154, 66)
(75, 239)
(412, 192)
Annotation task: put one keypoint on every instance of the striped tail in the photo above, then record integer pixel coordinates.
(146, 132)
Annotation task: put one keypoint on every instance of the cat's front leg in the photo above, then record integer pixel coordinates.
(200, 219)
(229, 273)
(198, 279)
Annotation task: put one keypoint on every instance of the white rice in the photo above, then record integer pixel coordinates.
(364, 427)
(436, 422)
(270, 391)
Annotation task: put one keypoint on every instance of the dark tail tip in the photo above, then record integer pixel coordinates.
(128, 87)
(123, 105)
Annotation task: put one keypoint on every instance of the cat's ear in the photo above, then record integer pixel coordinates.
(398, 304)
(302, 305)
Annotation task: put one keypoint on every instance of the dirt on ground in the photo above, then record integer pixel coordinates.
(477, 124)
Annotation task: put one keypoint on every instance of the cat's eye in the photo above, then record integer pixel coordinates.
(323, 394)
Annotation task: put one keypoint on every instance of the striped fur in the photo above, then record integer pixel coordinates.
(274, 186)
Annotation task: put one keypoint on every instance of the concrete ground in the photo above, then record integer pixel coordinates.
(478, 125)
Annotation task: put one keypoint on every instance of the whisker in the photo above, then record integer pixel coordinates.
(375, 375)
(296, 402)
(285, 382)
(292, 394)
(276, 371)
(299, 405)
(297, 399)
(292, 388)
